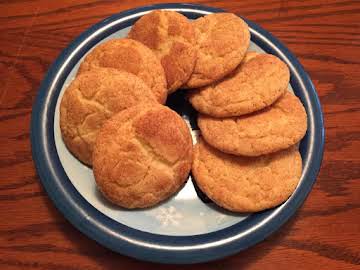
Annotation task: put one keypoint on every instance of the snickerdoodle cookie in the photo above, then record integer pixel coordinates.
(277, 127)
(246, 184)
(142, 156)
(133, 57)
(221, 42)
(257, 83)
(171, 36)
(93, 97)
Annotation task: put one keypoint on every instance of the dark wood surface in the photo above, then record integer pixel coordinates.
(324, 234)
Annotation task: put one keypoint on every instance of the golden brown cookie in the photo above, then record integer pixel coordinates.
(142, 156)
(93, 97)
(221, 41)
(171, 36)
(246, 184)
(257, 83)
(133, 57)
(277, 127)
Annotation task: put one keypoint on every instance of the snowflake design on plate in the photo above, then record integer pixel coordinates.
(220, 218)
(168, 216)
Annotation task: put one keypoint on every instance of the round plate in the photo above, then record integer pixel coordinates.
(187, 228)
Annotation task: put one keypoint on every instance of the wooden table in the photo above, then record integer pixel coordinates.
(324, 234)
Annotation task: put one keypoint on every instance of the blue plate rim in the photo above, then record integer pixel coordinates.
(144, 245)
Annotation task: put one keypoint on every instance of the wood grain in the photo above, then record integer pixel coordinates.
(324, 234)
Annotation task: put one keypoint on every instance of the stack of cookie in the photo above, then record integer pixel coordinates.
(112, 115)
(250, 123)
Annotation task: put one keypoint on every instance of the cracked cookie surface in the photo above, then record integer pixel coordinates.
(274, 128)
(142, 156)
(221, 43)
(131, 56)
(246, 184)
(171, 37)
(255, 84)
(93, 97)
